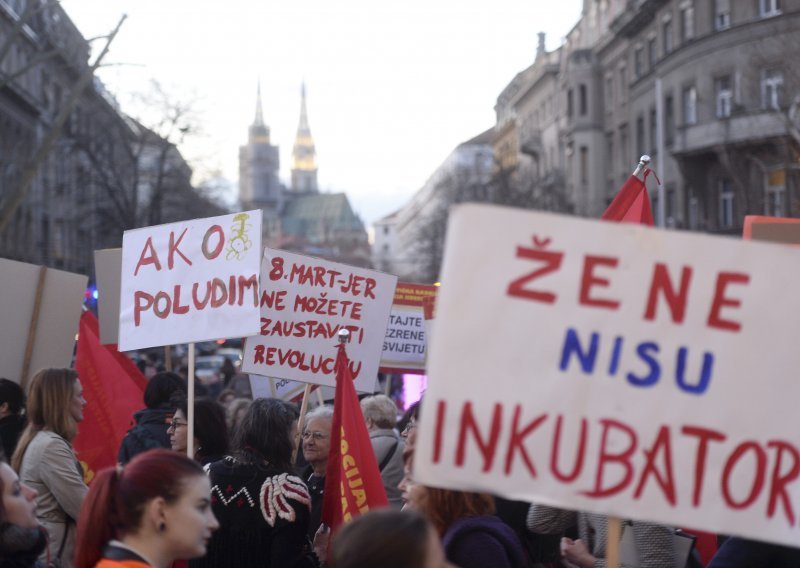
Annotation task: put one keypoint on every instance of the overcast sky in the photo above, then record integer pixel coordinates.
(392, 88)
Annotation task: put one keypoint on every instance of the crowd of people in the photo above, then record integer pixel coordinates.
(252, 495)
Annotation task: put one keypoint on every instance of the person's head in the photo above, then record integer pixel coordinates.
(17, 501)
(12, 399)
(389, 539)
(317, 437)
(236, 411)
(226, 397)
(210, 428)
(55, 403)
(161, 388)
(160, 496)
(442, 507)
(380, 412)
(268, 429)
(409, 420)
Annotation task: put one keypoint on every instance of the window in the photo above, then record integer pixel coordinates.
(726, 210)
(570, 104)
(624, 151)
(722, 14)
(609, 92)
(640, 135)
(694, 207)
(386, 229)
(690, 105)
(653, 132)
(584, 157)
(771, 88)
(638, 63)
(666, 33)
(610, 150)
(776, 193)
(767, 8)
(724, 92)
(671, 203)
(652, 53)
(687, 21)
(583, 102)
(623, 84)
(669, 121)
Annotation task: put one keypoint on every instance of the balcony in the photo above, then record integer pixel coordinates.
(530, 141)
(737, 129)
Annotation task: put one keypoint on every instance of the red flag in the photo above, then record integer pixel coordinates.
(113, 389)
(632, 204)
(353, 483)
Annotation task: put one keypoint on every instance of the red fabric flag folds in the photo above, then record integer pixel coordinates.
(113, 389)
(353, 483)
(631, 205)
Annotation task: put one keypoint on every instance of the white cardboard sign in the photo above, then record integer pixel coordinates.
(190, 281)
(107, 270)
(305, 301)
(618, 369)
(59, 314)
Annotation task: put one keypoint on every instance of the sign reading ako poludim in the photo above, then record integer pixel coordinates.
(618, 369)
(190, 281)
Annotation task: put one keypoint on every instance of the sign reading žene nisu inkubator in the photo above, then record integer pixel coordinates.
(618, 369)
(190, 281)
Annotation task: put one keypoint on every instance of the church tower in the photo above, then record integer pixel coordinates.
(259, 163)
(304, 167)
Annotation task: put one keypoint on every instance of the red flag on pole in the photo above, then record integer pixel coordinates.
(632, 204)
(353, 483)
(113, 389)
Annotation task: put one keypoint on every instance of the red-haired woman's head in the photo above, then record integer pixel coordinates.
(160, 496)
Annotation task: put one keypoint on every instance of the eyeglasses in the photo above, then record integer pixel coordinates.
(316, 435)
(175, 423)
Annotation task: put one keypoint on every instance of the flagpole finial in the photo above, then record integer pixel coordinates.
(643, 162)
(344, 336)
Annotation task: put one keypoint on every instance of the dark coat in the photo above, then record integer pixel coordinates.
(263, 514)
(478, 542)
(743, 553)
(149, 432)
(11, 427)
(316, 485)
(20, 547)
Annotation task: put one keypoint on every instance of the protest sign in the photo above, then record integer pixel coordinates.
(774, 229)
(190, 281)
(404, 344)
(619, 369)
(41, 308)
(107, 271)
(284, 389)
(305, 301)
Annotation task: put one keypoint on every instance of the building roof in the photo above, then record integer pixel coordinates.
(331, 209)
(485, 137)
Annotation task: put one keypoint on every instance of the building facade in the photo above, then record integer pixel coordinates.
(105, 173)
(705, 87)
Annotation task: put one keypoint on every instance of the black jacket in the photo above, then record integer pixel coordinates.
(149, 432)
(10, 428)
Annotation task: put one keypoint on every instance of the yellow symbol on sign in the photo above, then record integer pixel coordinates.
(239, 243)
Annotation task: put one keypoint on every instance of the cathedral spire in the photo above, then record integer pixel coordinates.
(259, 132)
(259, 121)
(304, 168)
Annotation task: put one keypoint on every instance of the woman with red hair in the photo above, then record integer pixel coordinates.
(155, 510)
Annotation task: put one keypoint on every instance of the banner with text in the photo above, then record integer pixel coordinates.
(305, 301)
(405, 342)
(190, 281)
(618, 369)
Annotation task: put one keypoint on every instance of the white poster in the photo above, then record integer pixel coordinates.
(305, 301)
(190, 281)
(618, 369)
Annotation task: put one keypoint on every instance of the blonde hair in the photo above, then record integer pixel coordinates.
(49, 396)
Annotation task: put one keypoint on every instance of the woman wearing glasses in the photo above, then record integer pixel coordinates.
(263, 509)
(45, 461)
(316, 447)
(210, 430)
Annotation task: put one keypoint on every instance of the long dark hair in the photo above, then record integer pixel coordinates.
(117, 498)
(389, 539)
(210, 427)
(264, 432)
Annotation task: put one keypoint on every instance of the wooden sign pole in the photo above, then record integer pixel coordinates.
(37, 305)
(190, 404)
(612, 544)
(302, 422)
